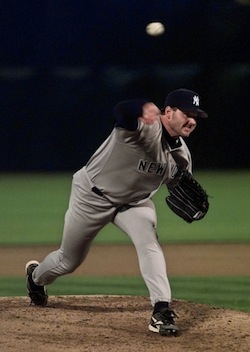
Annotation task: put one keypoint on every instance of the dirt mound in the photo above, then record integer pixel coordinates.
(116, 323)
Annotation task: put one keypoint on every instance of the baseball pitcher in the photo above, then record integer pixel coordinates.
(145, 149)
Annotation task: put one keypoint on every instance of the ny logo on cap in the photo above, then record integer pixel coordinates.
(196, 100)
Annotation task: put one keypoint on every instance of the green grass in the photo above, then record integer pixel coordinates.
(32, 212)
(231, 293)
(33, 207)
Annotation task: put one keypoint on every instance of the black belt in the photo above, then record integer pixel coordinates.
(120, 207)
(97, 191)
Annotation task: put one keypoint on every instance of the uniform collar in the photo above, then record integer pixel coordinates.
(174, 142)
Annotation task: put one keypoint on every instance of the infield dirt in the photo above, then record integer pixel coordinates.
(119, 323)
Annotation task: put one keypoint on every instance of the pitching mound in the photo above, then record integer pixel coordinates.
(116, 323)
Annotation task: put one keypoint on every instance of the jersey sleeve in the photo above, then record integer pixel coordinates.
(127, 112)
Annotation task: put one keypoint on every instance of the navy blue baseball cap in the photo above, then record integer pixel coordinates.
(186, 101)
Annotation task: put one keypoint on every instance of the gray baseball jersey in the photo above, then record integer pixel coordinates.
(130, 166)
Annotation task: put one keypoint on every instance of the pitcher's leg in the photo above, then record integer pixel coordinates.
(74, 248)
(86, 216)
(139, 223)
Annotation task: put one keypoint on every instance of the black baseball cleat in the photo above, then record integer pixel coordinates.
(163, 323)
(38, 294)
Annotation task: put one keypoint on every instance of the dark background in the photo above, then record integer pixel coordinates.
(64, 64)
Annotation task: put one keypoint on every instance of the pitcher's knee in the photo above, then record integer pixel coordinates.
(68, 267)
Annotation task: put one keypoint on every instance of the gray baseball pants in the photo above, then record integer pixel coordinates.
(87, 214)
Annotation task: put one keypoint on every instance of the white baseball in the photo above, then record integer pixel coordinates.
(155, 28)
